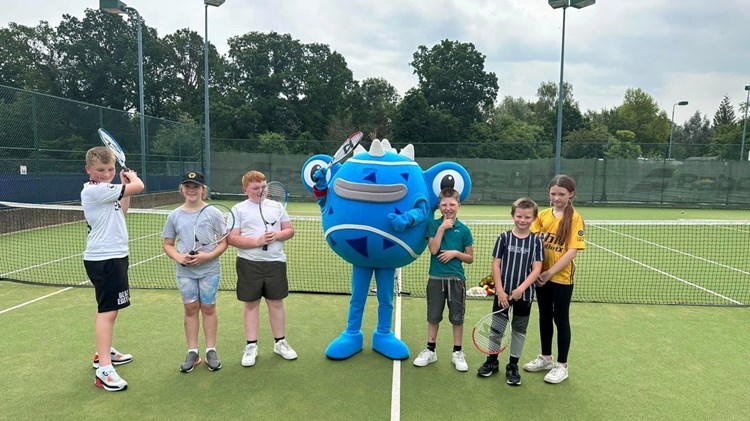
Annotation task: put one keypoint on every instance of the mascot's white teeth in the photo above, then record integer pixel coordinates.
(376, 149)
(408, 152)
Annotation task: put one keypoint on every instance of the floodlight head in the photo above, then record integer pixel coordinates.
(682, 103)
(556, 4)
(215, 3)
(580, 4)
(747, 87)
(113, 6)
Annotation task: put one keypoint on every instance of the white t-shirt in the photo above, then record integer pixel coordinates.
(179, 226)
(248, 220)
(108, 234)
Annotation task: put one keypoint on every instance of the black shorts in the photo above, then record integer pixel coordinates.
(261, 279)
(110, 279)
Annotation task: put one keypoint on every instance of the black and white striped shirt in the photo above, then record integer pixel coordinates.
(517, 256)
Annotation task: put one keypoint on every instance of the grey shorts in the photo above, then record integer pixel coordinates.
(261, 279)
(441, 290)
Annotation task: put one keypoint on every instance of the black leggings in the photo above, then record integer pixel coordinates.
(554, 305)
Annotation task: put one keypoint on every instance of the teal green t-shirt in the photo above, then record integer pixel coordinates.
(457, 238)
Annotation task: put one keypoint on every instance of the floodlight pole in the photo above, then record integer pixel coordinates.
(117, 7)
(564, 4)
(671, 127)
(206, 116)
(744, 126)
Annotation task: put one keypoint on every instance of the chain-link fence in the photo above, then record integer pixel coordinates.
(44, 139)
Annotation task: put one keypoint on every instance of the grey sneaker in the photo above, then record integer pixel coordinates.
(212, 360)
(192, 360)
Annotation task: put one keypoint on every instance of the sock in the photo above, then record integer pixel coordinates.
(104, 368)
(193, 350)
(252, 342)
(492, 357)
(278, 339)
(431, 346)
(513, 360)
(210, 349)
(456, 348)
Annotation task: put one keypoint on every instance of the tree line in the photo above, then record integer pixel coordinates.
(272, 93)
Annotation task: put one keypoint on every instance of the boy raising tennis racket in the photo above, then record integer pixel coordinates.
(261, 273)
(516, 264)
(198, 274)
(562, 230)
(451, 245)
(106, 256)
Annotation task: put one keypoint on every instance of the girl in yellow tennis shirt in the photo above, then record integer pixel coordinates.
(563, 232)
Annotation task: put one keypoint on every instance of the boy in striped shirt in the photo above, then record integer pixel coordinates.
(517, 263)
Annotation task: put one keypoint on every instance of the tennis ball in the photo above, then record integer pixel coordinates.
(682, 212)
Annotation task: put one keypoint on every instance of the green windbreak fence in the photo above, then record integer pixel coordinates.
(43, 140)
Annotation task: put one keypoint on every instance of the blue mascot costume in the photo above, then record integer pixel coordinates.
(375, 209)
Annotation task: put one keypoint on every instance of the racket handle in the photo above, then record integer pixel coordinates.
(265, 247)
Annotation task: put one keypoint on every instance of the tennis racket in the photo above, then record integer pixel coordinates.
(213, 223)
(346, 148)
(113, 146)
(492, 334)
(272, 203)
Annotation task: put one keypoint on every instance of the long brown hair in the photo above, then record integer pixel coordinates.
(563, 229)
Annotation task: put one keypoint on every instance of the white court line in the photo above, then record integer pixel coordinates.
(667, 274)
(396, 384)
(69, 288)
(675, 250)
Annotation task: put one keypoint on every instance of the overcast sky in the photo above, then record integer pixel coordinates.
(693, 50)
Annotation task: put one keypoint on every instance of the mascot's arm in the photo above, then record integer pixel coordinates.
(320, 189)
(413, 217)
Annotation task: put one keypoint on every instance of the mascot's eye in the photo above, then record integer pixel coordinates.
(448, 179)
(311, 167)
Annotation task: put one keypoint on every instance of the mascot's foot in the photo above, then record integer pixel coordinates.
(346, 345)
(389, 345)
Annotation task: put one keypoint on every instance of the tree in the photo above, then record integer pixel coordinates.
(372, 105)
(452, 79)
(692, 138)
(623, 146)
(587, 143)
(546, 108)
(725, 114)
(30, 59)
(640, 114)
(433, 132)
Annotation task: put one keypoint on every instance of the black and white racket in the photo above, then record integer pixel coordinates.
(492, 333)
(346, 148)
(113, 146)
(272, 203)
(212, 225)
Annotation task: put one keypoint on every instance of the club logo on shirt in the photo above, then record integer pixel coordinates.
(111, 187)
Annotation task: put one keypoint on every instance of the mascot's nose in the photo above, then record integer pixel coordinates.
(373, 193)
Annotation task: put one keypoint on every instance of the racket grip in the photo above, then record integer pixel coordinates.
(265, 247)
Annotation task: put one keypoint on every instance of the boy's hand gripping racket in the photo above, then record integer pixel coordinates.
(492, 333)
(212, 225)
(272, 203)
(113, 146)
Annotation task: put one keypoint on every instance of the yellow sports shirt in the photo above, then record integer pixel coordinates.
(546, 226)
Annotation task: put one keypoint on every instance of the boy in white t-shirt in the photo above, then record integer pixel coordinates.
(261, 272)
(106, 256)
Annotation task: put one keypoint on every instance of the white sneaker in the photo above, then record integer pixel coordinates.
(557, 374)
(117, 357)
(459, 360)
(109, 380)
(425, 357)
(282, 348)
(539, 364)
(248, 358)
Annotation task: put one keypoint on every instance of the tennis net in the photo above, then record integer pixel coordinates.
(690, 262)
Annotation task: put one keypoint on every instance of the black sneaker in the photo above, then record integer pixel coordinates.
(512, 376)
(489, 368)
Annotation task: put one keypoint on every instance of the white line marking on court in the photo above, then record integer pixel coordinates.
(667, 274)
(396, 384)
(34, 300)
(675, 251)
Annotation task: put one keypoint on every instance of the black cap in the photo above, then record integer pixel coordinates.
(194, 177)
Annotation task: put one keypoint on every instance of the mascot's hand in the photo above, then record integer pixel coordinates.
(401, 222)
(319, 177)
